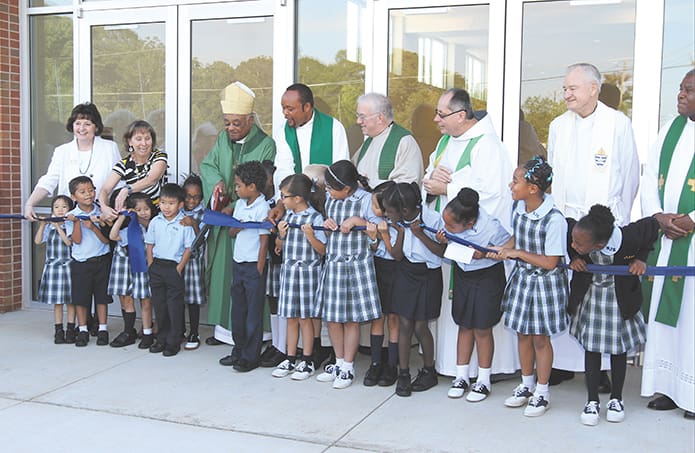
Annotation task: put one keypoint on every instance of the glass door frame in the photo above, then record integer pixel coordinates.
(496, 33)
(646, 76)
(83, 64)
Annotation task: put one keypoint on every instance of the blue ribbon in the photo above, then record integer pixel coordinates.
(219, 219)
(136, 244)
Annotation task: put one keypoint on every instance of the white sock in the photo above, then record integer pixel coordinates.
(462, 372)
(83, 328)
(542, 390)
(274, 329)
(102, 327)
(529, 381)
(281, 343)
(484, 376)
(147, 331)
(347, 366)
(339, 362)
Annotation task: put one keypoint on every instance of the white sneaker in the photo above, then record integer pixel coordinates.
(330, 372)
(537, 405)
(520, 396)
(458, 388)
(344, 380)
(303, 371)
(615, 412)
(590, 414)
(479, 392)
(282, 370)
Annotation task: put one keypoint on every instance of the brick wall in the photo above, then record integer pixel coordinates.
(10, 186)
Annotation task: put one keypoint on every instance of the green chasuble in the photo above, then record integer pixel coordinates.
(219, 165)
(321, 147)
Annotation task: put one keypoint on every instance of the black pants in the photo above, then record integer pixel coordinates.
(167, 299)
(90, 278)
(248, 298)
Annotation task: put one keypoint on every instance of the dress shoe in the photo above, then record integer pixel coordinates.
(157, 348)
(124, 339)
(558, 376)
(689, 415)
(169, 352)
(662, 403)
(212, 341)
(244, 366)
(273, 358)
(229, 360)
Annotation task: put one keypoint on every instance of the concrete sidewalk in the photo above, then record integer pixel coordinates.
(99, 399)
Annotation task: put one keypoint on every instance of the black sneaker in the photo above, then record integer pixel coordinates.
(59, 336)
(193, 342)
(102, 338)
(82, 339)
(425, 380)
(70, 336)
(373, 375)
(389, 375)
(403, 386)
(146, 342)
(123, 339)
(273, 359)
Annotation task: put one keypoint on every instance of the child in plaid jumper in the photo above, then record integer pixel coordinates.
(536, 293)
(54, 288)
(347, 294)
(302, 252)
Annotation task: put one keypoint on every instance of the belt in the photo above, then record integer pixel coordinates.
(97, 259)
(165, 262)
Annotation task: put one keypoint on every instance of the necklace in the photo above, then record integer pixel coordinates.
(82, 172)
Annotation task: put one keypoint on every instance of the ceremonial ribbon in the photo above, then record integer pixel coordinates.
(136, 244)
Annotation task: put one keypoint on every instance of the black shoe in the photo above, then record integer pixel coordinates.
(558, 376)
(373, 375)
(82, 339)
(70, 336)
(229, 360)
(404, 387)
(169, 352)
(389, 375)
(321, 354)
(662, 403)
(689, 415)
(59, 336)
(157, 347)
(267, 352)
(212, 341)
(146, 342)
(273, 358)
(244, 366)
(425, 380)
(604, 385)
(102, 338)
(124, 339)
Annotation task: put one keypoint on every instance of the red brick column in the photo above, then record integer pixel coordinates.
(10, 186)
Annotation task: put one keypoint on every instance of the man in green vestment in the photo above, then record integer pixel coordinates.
(241, 141)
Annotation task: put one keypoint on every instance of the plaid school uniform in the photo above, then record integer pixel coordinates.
(301, 267)
(194, 272)
(55, 281)
(535, 298)
(347, 289)
(120, 281)
(599, 326)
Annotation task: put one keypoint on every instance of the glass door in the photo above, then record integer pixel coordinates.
(124, 72)
(431, 46)
(220, 44)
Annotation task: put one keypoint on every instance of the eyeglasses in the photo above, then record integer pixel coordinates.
(362, 117)
(445, 115)
(288, 195)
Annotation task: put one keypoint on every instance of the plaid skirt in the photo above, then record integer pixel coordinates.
(347, 290)
(55, 287)
(534, 301)
(272, 282)
(298, 283)
(120, 281)
(598, 324)
(194, 280)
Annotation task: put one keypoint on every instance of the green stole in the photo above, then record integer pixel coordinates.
(464, 160)
(321, 148)
(672, 291)
(387, 158)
